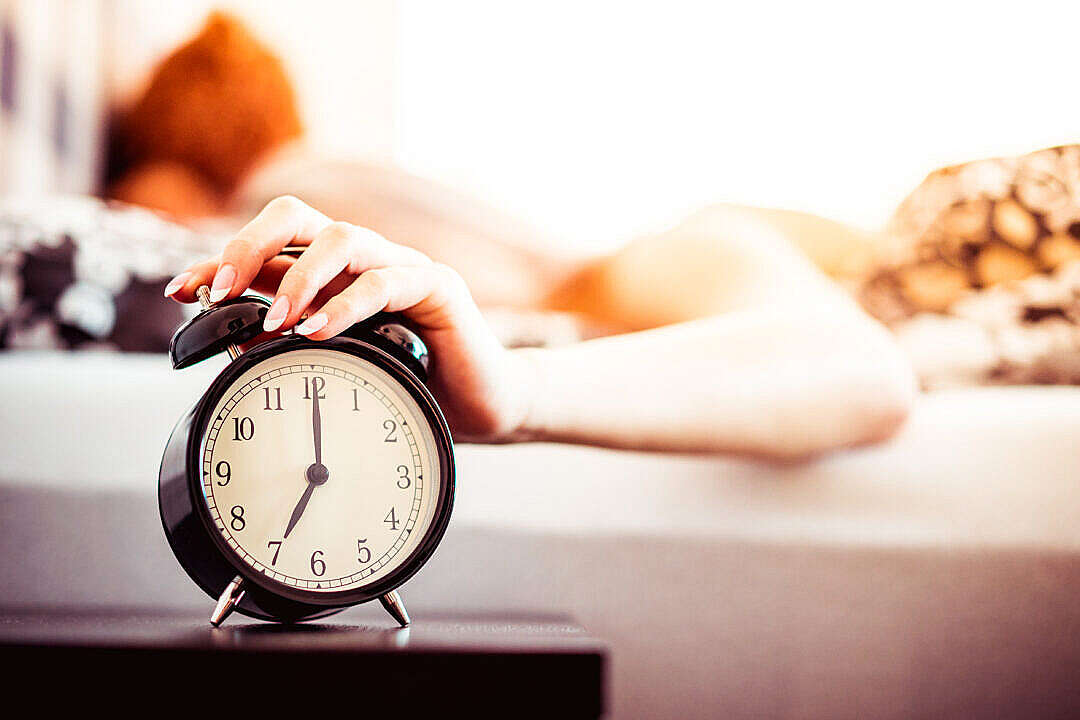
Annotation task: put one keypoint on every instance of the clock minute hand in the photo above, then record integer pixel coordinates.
(316, 421)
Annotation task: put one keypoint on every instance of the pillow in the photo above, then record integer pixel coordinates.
(76, 272)
(982, 283)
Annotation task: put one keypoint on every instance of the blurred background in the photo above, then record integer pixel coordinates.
(593, 168)
(597, 120)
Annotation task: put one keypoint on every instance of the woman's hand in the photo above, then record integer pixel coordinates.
(349, 273)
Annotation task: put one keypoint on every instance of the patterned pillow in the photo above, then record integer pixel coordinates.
(983, 281)
(76, 272)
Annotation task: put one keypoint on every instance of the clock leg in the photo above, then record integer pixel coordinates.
(230, 596)
(391, 601)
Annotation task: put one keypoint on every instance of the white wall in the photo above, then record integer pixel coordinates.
(603, 119)
(51, 123)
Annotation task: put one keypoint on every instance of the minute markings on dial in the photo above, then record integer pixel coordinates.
(410, 510)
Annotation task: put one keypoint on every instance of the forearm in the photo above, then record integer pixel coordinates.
(756, 382)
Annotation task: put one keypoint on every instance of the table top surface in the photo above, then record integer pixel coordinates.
(490, 664)
(351, 632)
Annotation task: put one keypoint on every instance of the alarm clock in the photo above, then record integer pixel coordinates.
(311, 475)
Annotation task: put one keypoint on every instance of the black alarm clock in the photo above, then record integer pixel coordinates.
(311, 475)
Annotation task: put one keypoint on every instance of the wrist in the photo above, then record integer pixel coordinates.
(528, 381)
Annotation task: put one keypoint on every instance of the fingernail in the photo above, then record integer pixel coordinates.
(313, 324)
(276, 314)
(176, 283)
(223, 282)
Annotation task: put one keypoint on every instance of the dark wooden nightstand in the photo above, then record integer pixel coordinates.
(158, 660)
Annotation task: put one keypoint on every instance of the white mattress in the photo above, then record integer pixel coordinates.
(977, 467)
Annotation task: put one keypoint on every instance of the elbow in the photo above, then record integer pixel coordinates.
(868, 399)
(885, 397)
(887, 412)
(869, 408)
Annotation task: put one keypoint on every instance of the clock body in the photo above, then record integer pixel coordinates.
(238, 498)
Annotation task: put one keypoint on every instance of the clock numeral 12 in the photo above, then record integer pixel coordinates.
(318, 383)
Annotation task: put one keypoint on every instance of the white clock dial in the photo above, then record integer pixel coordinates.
(339, 524)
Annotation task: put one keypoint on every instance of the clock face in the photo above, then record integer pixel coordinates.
(320, 471)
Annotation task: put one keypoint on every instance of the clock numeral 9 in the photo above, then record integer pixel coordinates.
(391, 427)
(318, 383)
(404, 480)
(243, 428)
(238, 523)
(391, 520)
(317, 565)
(276, 404)
(226, 473)
(363, 554)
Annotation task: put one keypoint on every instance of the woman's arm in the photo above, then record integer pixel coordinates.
(782, 385)
(767, 378)
(759, 352)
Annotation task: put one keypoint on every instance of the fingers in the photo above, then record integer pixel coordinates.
(347, 271)
(284, 220)
(432, 293)
(182, 287)
(338, 248)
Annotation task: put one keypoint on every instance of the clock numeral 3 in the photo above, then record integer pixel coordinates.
(363, 554)
(391, 520)
(243, 428)
(226, 473)
(404, 480)
(318, 383)
(317, 565)
(276, 397)
(238, 523)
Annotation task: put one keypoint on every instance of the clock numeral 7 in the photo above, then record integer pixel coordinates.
(391, 520)
(363, 554)
(277, 550)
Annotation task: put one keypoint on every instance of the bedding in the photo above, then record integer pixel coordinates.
(78, 273)
(981, 272)
(904, 580)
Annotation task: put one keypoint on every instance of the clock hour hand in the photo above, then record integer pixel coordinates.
(300, 507)
(316, 475)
